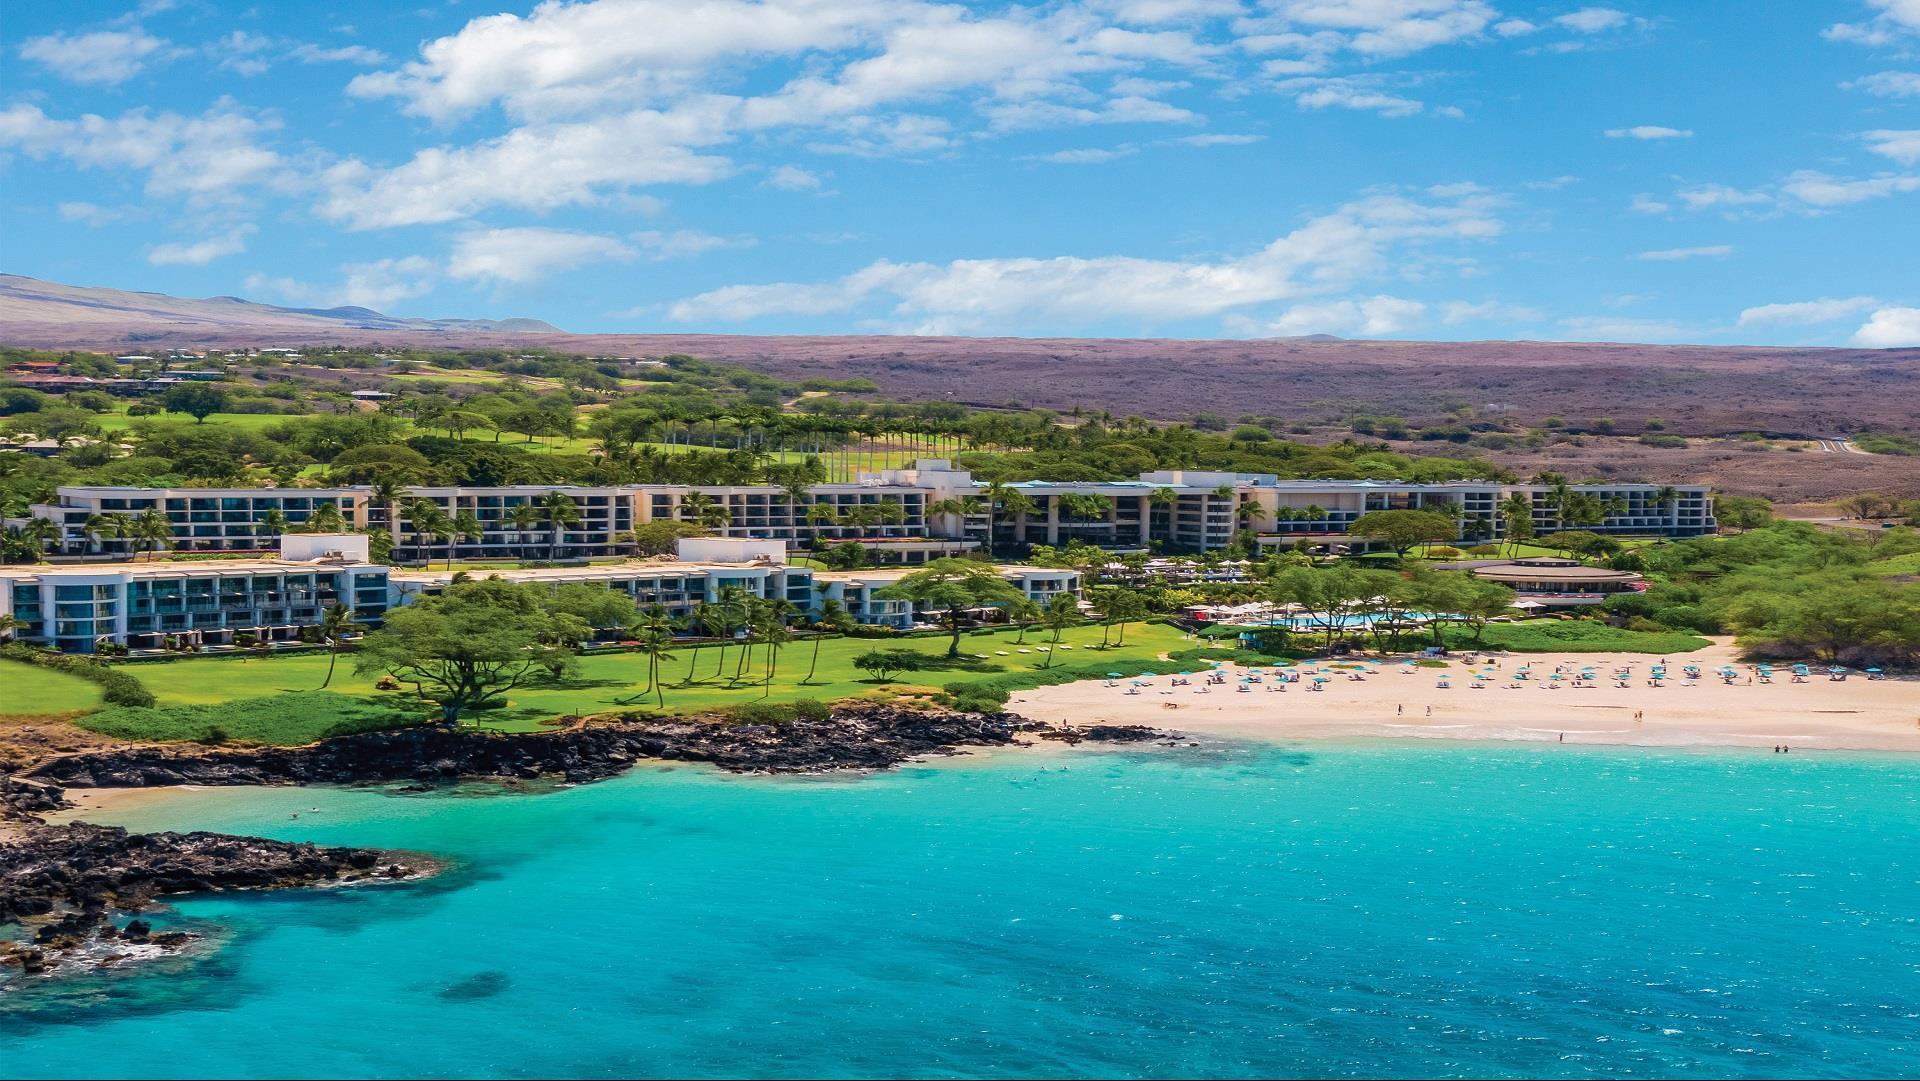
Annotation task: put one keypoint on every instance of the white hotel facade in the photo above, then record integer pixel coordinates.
(1176, 510)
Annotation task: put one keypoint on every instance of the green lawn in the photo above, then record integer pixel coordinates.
(602, 680)
(1896, 565)
(30, 691)
(286, 719)
(1577, 636)
(120, 422)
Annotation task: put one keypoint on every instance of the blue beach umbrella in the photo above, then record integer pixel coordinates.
(1113, 675)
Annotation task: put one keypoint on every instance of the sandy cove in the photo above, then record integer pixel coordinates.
(1820, 714)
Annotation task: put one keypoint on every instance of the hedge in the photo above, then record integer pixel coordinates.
(118, 688)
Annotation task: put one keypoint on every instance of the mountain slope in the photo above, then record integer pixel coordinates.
(26, 300)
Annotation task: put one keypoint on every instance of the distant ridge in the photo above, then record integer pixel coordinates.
(30, 300)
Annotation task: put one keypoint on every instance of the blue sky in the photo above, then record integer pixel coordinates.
(1740, 171)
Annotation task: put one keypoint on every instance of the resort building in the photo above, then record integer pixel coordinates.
(140, 606)
(900, 516)
(1550, 582)
(708, 569)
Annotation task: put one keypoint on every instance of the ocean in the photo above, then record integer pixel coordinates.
(1232, 910)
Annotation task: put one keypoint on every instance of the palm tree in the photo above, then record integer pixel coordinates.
(90, 532)
(834, 617)
(428, 521)
(773, 631)
(704, 510)
(1062, 611)
(728, 612)
(273, 522)
(1023, 613)
(524, 517)
(9, 624)
(151, 530)
(1517, 510)
(326, 518)
(386, 491)
(466, 527)
(334, 624)
(654, 633)
(559, 511)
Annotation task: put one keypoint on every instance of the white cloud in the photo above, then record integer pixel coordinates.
(1513, 28)
(1381, 28)
(1895, 20)
(1218, 139)
(92, 215)
(1890, 328)
(378, 284)
(1456, 312)
(1805, 312)
(1364, 239)
(1085, 156)
(534, 168)
(681, 243)
(309, 53)
(1674, 254)
(792, 178)
(519, 256)
(203, 156)
(1720, 195)
(1820, 190)
(1370, 317)
(100, 57)
(1349, 92)
(1647, 204)
(1593, 20)
(202, 252)
(1888, 84)
(1901, 146)
(1609, 328)
(1649, 131)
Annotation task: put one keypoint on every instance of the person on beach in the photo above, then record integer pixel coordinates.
(1400, 710)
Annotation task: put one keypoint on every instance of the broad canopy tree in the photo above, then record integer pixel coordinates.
(474, 642)
(953, 586)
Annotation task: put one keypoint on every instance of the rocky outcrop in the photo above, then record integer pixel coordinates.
(861, 736)
(65, 884)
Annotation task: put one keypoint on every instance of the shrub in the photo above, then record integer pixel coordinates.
(1662, 440)
(118, 688)
(285, 720)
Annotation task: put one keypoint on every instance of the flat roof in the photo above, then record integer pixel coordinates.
(1509, 572)
(210, 568)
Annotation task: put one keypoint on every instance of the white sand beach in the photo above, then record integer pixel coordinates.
(1394, 700)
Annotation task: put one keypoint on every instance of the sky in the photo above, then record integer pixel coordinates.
(1710, 171)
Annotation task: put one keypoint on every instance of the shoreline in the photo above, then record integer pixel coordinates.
(1855, 715)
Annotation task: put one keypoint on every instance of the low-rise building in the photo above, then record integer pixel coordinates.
(1552, 582)
(215, 603)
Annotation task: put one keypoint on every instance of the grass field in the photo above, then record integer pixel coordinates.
(120, 422)
(287, 720)
(603, 681)
(30, 691)
(1578, 636)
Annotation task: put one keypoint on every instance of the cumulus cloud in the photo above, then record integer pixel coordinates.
(203, 156)
(1901, 146)
(1377, 28)
(519, 256)
(1593, 20)
(1667, 255)
(1360, 240)
(1807, 191)
(202, 252)
(100, 57)
(1805, 312)
(1349, 92)
(1649, 131)
(792, 178)
(1888, 84)
(1611, 328)
(1890, 328)
(680, 243)
(92, 215)
(1893, 21)
(1094, 155)
(378, 284)
(1370, 317)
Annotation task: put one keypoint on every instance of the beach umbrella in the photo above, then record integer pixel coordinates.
(1319, 679)
(1835, 668)
(1113, 675)
(1875, 671)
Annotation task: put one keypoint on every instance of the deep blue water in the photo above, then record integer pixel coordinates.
(1237, 910)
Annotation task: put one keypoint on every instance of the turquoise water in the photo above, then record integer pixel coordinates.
(1229, 911)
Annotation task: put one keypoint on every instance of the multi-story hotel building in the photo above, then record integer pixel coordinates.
(215, 603)
(899, 515)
